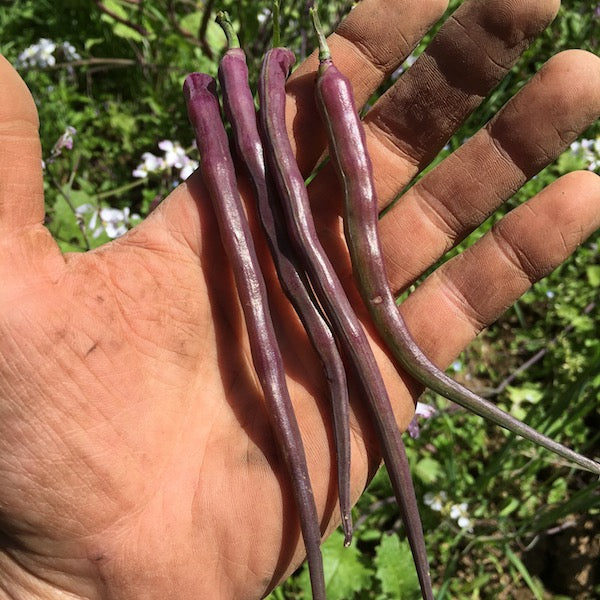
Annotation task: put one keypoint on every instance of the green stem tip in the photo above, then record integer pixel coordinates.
(276, 31)
(225, 22)
(324, 53)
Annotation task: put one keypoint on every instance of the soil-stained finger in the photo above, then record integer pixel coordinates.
(531, 131)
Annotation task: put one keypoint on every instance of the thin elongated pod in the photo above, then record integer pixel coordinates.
(331, 294)
(240, 111)
(219, 178)
(348, 148)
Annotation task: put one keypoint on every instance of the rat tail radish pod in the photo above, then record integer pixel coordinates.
(239, 108)
(219, 178)
(347, 144)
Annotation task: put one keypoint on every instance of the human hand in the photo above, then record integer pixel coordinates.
(136, 458)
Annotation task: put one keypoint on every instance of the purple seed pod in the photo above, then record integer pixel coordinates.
(239, 108)
(219, 178)
(330, 292)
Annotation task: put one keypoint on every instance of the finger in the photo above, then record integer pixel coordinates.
(369, 44)
(21, 188)
(471, 53)
(464, 189)
(474, 288)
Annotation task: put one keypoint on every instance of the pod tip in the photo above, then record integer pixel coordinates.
(224, 21)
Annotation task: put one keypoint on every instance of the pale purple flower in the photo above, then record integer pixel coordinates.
(422, 411)
(65, 141)
(69, 51)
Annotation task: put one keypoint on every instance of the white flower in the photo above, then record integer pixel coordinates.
(151, 164)
(69, 51)
(26, 57)
(263, 16)
(409, 62)
(83, 209)
(174, 153)
(589, 150)
(188, 168)
(42, 54)
(38, 55)
(174, 158)
(45, 56)
(460, 514)
(435, 501)
(114, 221)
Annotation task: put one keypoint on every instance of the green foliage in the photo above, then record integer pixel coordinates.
(395, 569)
(123, 96)
(345, 573)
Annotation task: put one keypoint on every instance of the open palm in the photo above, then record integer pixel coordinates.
(136, 459)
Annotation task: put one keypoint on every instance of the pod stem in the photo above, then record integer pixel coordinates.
(224, 21)
(276, 30)
(324, 53)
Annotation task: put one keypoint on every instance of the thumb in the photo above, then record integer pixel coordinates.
(27, 250)
(21, 189)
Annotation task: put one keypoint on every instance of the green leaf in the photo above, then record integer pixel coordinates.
(276, 594)
(512, 505)
(116, 8)
(593, 275)
(395, 569)
(127, 33)
(120, 29)
(428, 470)
(522, 569)
(91, 42)
(64, 227)
(345, 573)
(191, 22)
(526, 394)
(568, 162)
(558, 492)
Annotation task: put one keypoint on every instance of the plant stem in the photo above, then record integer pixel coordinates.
(276, 31)
(324, 53)
(119, 190)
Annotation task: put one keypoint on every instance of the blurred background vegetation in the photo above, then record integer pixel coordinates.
(502, 519)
